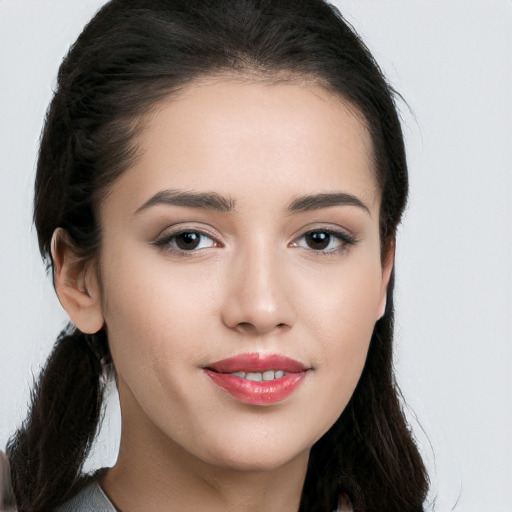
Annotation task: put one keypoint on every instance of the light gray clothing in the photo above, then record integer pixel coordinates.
(90, 499)
(93, 499)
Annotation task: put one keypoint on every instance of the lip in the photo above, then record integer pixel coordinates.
(257, 392)
(257, 363)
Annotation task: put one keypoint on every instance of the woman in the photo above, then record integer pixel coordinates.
(217, 193)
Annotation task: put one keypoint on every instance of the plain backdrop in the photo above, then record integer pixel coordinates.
(451, 61)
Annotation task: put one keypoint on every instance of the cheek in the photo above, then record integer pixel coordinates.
(340, 305)
(155, 311)
(341, 319)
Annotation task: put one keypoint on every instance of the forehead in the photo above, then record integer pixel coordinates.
(233, 136)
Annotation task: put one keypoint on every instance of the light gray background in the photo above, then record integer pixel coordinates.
(451, 60)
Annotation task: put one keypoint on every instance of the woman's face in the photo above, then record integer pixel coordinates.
(242, 245)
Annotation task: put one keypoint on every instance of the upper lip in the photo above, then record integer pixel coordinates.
(257, 363)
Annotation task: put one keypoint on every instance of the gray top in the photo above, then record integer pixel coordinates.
(93, 499)
(90, 499)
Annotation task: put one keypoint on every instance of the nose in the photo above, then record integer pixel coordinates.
(259, 297)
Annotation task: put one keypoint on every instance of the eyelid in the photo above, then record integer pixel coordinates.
(344, 236)
(346, 239)
(326, 227)
(162, 241)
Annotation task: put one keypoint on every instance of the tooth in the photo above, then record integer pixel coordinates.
(254, 376)
(268, 375)
(239, 374)
(279, 374)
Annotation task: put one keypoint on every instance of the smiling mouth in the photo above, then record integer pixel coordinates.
(261, 376)
(257, 379)
(255, 363)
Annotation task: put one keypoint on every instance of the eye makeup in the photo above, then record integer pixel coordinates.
(327, 242)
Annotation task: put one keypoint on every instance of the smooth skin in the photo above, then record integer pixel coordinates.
(208, 251)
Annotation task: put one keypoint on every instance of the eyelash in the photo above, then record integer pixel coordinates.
(344, 238)
(164, 243)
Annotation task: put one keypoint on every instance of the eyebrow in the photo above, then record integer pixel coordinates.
(318, 201)
(190, 199)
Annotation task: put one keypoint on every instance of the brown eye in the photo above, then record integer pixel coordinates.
(188, 240)
(324, 241)
(318, 240)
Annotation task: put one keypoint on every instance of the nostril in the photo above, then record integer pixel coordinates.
(245, 327)
(259, 328)
(248, 327)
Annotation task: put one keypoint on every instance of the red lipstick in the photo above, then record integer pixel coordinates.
(250, 384)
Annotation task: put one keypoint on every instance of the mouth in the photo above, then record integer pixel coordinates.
(257, 379)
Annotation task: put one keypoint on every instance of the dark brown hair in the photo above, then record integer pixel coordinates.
(131, 55)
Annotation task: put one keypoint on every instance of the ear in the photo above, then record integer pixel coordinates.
(76, 283)
(388, 262)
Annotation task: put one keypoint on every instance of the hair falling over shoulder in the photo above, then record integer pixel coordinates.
(47, 453)
(132, 54)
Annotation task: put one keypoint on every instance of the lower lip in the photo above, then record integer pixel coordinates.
(257, 392)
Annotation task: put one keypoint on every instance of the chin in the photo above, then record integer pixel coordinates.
(256, 455)
(256, 464)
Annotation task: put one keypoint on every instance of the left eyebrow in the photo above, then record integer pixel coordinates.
(189, 199)
(318, 201)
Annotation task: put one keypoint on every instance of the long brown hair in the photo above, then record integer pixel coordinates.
(132, 54)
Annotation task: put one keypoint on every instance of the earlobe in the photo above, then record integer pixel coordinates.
(383, 308)
(76, 284)
(387, 269)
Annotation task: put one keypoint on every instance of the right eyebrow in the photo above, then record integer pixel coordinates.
(326, 200)
(190, 199)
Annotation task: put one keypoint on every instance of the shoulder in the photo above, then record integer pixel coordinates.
(90, 499)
